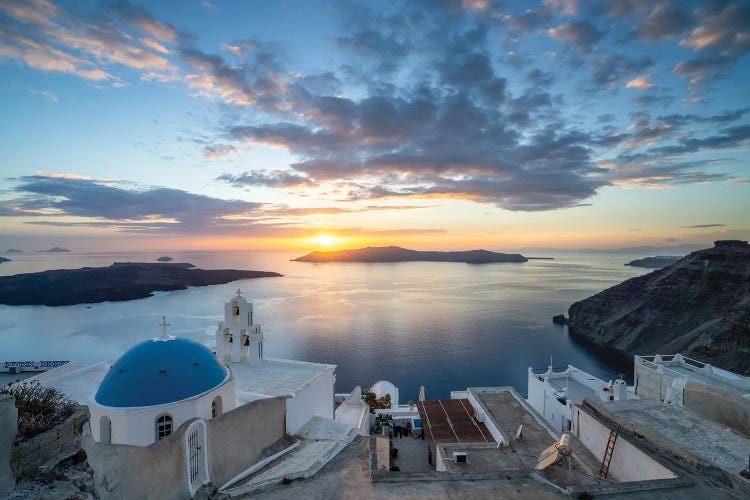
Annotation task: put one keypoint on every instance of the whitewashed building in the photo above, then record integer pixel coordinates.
(239, 344)
(552, 394)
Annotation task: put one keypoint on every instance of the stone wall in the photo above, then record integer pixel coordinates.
(731, 410)
(50, 447)
(8, 429)
(236, 440)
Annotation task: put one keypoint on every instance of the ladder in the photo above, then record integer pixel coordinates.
(607, 459)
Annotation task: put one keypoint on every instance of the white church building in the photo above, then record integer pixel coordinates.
(210, 415)
(239, 344)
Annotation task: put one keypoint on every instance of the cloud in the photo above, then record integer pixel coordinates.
(728, 138)
(665, 22)
(256, 82)
(580, 35)
(47, 37)
(610, 69)
(220, 152)
(640, 83)
(700, 226)
(139, 17)
(169, 209)
(298, 211)
(51, 97)
(724, 30)
(275, 178)
(722, 37)
(703, 69)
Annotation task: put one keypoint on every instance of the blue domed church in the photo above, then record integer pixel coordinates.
(155, 387)
(171, 415)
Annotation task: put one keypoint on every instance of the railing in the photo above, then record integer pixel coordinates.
(691, 364)
(555, 369)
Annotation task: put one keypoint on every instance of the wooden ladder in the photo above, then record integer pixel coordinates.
(607, 459)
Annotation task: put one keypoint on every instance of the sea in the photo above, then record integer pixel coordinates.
(446, 326)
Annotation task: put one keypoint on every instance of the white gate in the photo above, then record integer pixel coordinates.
(196, 456)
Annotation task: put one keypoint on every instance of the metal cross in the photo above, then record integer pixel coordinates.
(239, 292)
(164, 324)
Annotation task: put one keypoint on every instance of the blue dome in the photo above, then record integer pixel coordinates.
(157, 372)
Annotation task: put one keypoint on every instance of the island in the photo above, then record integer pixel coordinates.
(654, 262)
(698, 307)
(119, 282)
(398, 254)
(13, 250)
(165, 258)
(54, 250)
(3, 259)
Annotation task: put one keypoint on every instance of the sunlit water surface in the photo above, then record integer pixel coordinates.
(446, 326)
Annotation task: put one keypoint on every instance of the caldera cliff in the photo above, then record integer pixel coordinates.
(698, 306)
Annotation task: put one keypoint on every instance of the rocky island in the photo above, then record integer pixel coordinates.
(3, 259)
(654, 262)
(54, 250)
(118, 282)
(13, 250)
(699, 306)
(165, 258)
(398, 254)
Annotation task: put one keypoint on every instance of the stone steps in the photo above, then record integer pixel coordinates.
(303, 462)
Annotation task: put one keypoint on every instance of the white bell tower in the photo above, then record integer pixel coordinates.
(238, 339)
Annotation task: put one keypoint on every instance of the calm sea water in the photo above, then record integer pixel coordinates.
(446, 326)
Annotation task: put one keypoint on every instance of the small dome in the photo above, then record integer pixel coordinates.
(157, 372)
(383, 387)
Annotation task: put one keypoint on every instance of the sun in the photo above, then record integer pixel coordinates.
(325, 240)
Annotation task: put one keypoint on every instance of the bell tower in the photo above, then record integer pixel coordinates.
(238, 339)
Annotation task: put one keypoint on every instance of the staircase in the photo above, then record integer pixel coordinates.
(607, 459)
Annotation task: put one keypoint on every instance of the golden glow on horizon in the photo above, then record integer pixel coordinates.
(325, 240)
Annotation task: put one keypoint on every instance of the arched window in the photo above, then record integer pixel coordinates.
(163, 426)
(217, 409)
(105, 429)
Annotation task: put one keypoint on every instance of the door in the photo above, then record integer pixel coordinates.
(196, 454)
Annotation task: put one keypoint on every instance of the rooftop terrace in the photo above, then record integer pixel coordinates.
(276, 377)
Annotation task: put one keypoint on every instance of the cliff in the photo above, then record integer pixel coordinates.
(118, 282)
(698, 306)
(398, 254)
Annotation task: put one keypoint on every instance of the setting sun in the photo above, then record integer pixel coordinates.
(325, 240)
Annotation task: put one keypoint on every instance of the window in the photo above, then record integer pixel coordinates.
(163, 426)
(216, 407)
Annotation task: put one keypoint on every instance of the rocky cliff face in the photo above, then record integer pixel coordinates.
(698, 306)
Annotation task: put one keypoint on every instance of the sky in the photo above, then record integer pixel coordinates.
(322, 125)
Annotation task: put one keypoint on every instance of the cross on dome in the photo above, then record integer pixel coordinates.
(164, 335)
(164, 324)
(239, 293)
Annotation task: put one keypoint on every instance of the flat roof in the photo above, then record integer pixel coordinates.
(452, 421)
(79, 385)
(682, 429)
(508, 410)
(276, 377)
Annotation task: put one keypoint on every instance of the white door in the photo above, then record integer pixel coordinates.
(196, 455)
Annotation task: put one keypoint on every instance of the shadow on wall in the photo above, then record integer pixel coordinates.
(234, 442)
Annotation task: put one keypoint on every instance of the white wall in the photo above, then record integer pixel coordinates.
(315, 399)
(496, 433)
(137, 426)
(542, 399)
(628, 462)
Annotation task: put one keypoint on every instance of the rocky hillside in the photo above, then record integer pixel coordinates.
(698, 306)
